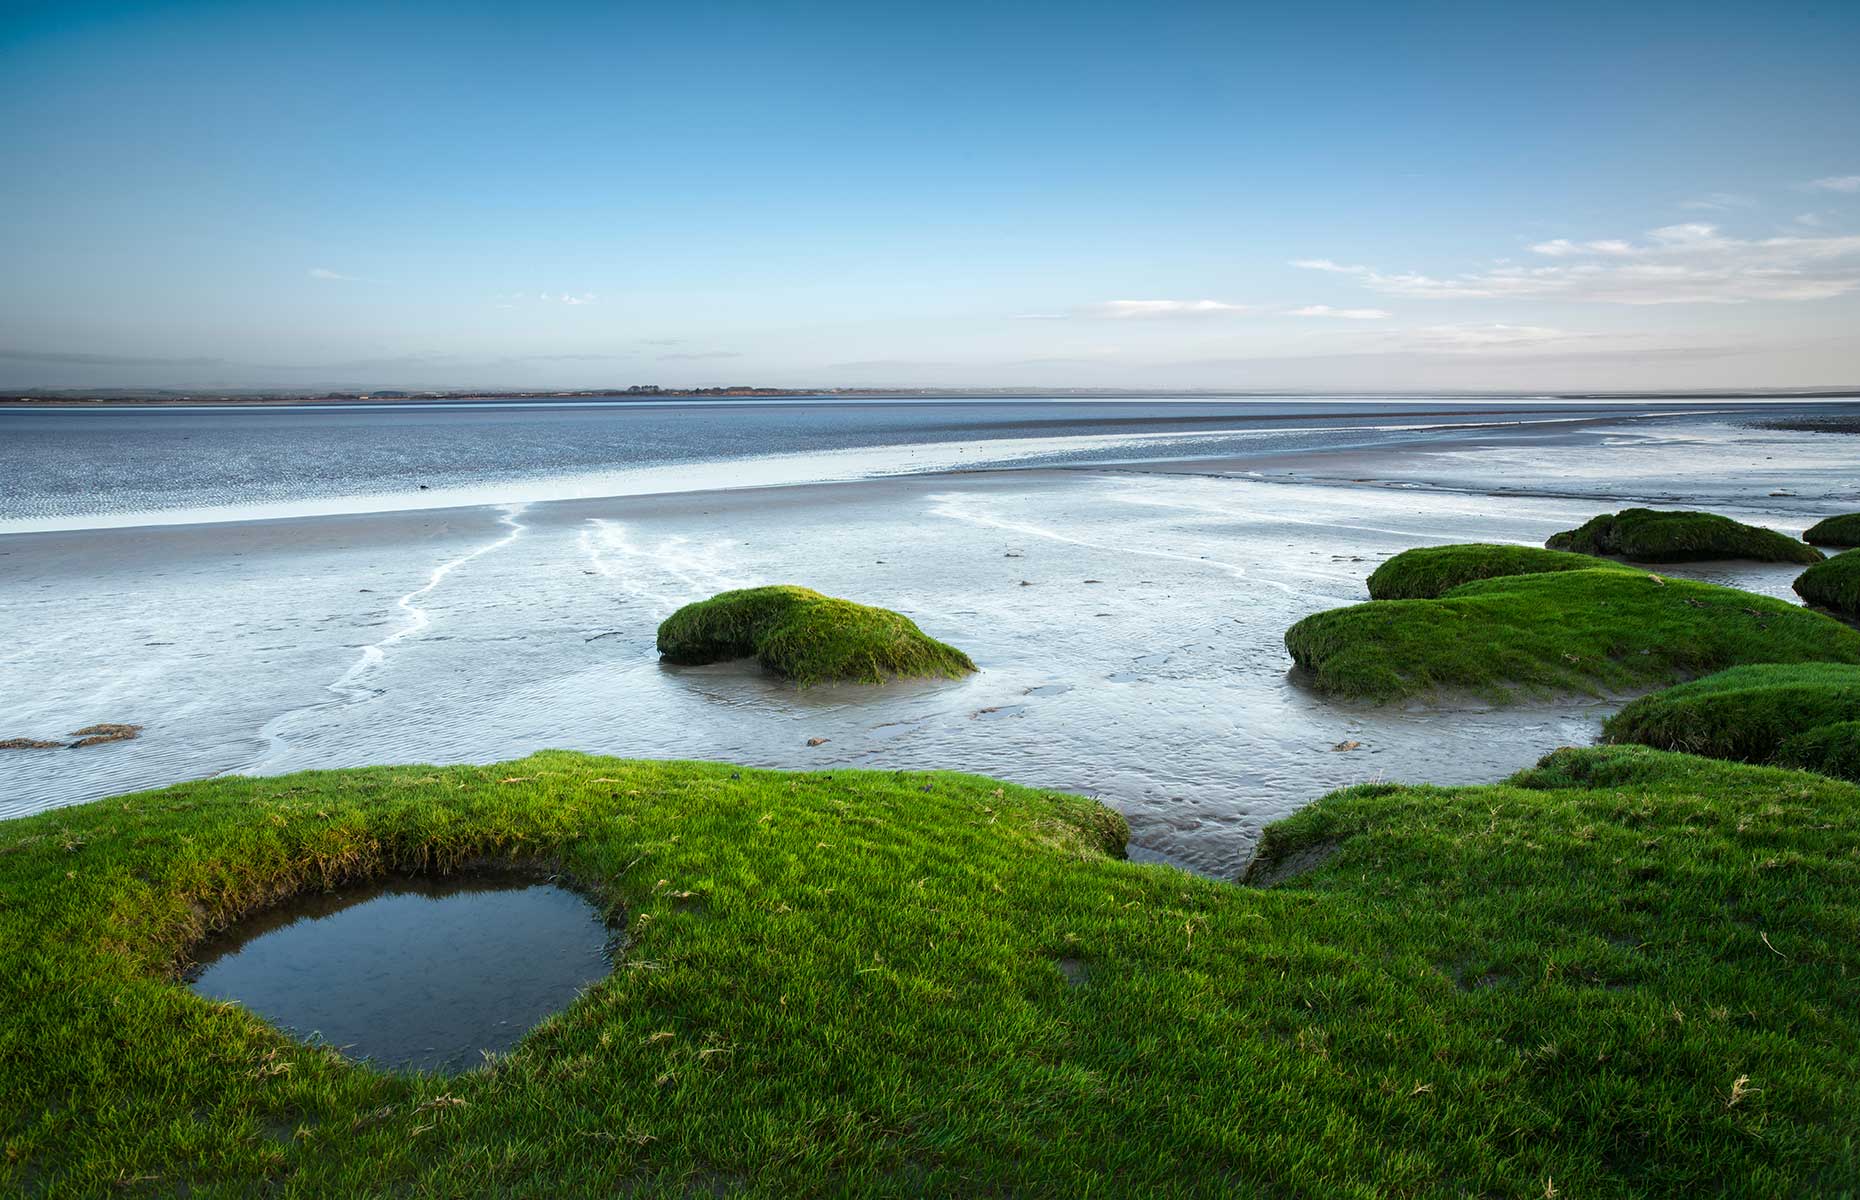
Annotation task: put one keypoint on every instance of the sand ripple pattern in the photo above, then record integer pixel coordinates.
(352, 686)
(666, 574)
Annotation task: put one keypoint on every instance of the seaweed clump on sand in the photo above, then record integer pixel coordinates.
(1586, 631)
(1748, 714)
(90, 735)
(1647, 535)
(1843, 530)
(807, 637)
(1624, 947)
(1427, 571)
(109, 731)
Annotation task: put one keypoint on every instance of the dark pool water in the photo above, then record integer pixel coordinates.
(412, 974)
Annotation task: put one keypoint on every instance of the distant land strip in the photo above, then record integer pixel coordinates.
(178, 396)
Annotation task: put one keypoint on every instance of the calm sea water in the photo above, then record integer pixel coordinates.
(63, 468)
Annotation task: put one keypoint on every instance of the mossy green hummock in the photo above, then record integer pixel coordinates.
(1832, 749)
(1572, 630)
(1427, 571)
(1843, 530)
(1646, 535)
(1745, 713)
(1833, 584)
(1627, 972)
(807, 637)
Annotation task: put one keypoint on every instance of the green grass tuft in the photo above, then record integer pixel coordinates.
(1573, 630)
(1843, 530)
(1746, 713)
(807, 637)
(1424, 573)
(1627, 972)
(1832, 749)
(1833, 584)
(1645, 535)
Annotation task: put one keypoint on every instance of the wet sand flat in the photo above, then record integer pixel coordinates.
(1127, 620)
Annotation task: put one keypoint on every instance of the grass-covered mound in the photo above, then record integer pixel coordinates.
(1843, 530)
(1645, 535)
(1746, 713)
(1832, 749)
(1833, 584)
(1626, 972)
(808, 637)
(1576, 630)
(1426, 571)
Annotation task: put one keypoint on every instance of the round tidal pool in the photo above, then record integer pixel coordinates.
(412, 973)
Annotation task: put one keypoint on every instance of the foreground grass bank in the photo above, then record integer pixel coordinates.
(1653, 536)
(807, 637)
(1623, 973)
(1576, 630)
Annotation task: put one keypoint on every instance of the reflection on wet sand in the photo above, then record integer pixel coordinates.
(1128, 625)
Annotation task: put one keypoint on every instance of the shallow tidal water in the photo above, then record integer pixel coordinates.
(411, 973)
(1128, 623)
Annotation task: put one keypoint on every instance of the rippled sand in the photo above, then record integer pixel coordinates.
(1128, 624)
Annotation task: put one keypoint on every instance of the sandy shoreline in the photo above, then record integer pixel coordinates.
(170, 476)
(1127, 618)
(1443, 464)
(1371, 462)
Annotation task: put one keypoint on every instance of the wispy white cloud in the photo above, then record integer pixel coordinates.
(1342, 314)
(1124, 309)
(547, 298)
(1691, 263)
(325, 273)
(1564, 248)
(1718, 202)
(1812, 220)
(1502, 340)
(1834, 183)
(1479, 339)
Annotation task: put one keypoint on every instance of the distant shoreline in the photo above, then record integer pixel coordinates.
(1350, 466)
(170, 398)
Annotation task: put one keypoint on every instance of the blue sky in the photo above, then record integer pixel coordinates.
(1167, 195)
